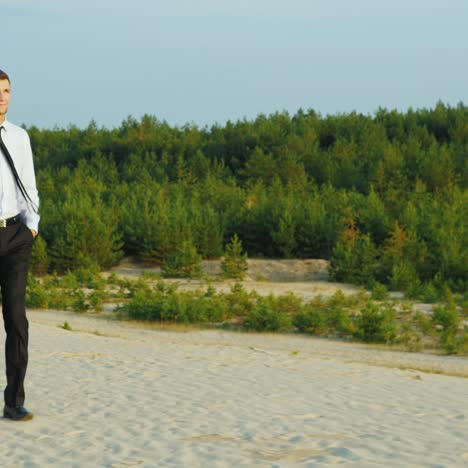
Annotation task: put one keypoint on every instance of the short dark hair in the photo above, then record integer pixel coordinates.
(4, 76)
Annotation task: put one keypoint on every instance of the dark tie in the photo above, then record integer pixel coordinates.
(19, 183)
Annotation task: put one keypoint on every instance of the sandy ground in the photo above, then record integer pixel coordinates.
(259, 269)
(113, 394)
(305, 278)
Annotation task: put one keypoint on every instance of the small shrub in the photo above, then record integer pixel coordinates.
(113, 279)
(424, 323)
(158, 303)
(139, 308)
(409, 338)
(206, 309)
(176, 308)
(339, 299)
(37, 296)
(210, 291)
(66, 326)
(96, 300)
(361, 298)
(429, 293)
(51, 281)
(450, 343)
(234, 264)
(239, 302)
(59, 299)
(405, 309)
(286, 303)
(165, 304)
(122, 283)
(318, 302)
(69, 281)
(448, 320)
(310, 320)
(185, 262)
(79, 303)
(89, 277)
(338, 319)
(379, 292)
(138, 287)
(376, 325)
(447, 317)
(264, 318)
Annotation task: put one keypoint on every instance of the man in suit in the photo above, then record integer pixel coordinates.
(19, 220)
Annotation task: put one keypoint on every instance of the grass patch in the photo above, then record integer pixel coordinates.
(357, 317)
(66, 326)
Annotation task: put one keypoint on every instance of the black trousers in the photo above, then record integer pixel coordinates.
(15, 252)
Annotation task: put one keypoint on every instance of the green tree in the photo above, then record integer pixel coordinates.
(354, 257)
(39, 257)
(81, 231)
(185, 262)
(234, 264)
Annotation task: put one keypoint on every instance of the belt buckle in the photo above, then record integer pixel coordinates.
(3, 223)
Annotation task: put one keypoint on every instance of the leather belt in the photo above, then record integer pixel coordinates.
(9, 221)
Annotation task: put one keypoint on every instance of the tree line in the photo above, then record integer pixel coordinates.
(383, 197)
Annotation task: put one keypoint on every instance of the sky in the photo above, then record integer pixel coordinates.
(205, 62)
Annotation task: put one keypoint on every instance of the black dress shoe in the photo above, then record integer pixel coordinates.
(17, 413)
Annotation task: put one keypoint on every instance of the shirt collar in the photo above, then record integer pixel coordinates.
(5, 125)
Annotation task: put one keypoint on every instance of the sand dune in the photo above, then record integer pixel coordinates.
(305, 278)
(114, 394)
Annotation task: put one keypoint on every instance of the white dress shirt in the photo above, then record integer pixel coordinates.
(12, 201)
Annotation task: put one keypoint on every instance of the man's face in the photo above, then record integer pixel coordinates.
(4, 98)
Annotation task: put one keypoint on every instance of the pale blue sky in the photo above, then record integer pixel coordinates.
(207, 61)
